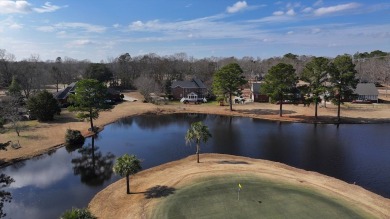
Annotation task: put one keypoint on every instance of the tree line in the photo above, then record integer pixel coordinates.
(156, 72)
(333, 80)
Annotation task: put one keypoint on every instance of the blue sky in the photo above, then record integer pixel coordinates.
(103, 29)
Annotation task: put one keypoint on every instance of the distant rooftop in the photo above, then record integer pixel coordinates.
(366, 89)
(194, 83)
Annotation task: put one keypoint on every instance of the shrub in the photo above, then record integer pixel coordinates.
(74, 138)
(43, 106)
(76, 213)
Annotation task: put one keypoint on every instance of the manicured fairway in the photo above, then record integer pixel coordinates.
(217, 198)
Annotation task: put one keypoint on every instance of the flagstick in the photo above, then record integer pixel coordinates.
(238, 194)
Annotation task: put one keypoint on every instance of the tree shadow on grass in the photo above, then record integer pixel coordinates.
(264, 111)
(232, 162)
(159, 192)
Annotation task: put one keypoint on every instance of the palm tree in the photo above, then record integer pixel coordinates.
(127, 165)
(197, 132)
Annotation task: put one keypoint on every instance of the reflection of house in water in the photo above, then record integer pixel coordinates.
(192, 88)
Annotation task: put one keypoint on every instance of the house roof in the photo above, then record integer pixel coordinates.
(63, 94)
(195, 83)
(199, 83)
(366, 89)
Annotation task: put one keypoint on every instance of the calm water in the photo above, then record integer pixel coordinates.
(48, 185)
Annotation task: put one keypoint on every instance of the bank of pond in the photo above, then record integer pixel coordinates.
(47, 185)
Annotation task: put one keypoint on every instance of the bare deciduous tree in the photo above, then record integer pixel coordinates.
(147, 87)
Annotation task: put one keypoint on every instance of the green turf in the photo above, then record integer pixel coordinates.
(217, 198)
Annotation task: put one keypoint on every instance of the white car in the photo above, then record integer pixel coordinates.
(239, 99)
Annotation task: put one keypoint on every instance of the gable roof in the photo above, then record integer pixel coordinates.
(194, 83)
(63, 94)
(199, 83)
(366, 89)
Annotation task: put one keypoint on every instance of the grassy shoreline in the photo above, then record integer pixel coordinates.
(113, 202)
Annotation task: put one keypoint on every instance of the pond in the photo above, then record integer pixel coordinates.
(48, 185)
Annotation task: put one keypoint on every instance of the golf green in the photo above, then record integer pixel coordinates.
(218, 197)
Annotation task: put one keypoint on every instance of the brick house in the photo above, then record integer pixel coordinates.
(182, 89)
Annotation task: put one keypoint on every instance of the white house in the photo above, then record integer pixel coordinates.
(367, 91)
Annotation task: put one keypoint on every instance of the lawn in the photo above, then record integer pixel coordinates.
(217, 197)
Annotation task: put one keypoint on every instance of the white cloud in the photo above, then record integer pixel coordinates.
(15, 26)
(274, 19)
(293, 5)
(87, 27)
(278, 13)
(290, 12)
(44, 174)
(318, 3)
(14, 7)
(10, 23)
(24, 7)
(116, 25)
(47, 7)
(307, 10)
(199, 29)
(136, 25)
(334, 9)
(79, 43)
(238, 6)
(62, 33)
(46, 29)
(76, 25)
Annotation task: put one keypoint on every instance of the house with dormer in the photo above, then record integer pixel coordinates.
(187, 89)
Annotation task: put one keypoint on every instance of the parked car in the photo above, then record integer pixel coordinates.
(239, 99)
(193, 100)
(362, 101)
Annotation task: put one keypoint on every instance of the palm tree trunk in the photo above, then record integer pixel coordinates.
(230, 102)
(197, 152)
(338, 107)
(91, 120)
(128, 183)
(93, 152)
(281, 106)
(281, 109)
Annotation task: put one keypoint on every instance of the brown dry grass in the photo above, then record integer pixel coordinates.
(113, 202)
(38, 138)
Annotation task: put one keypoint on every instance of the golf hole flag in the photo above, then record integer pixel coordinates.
(238, 191)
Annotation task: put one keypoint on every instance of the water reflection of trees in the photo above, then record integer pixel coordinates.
(5, 181)
(5, 196)
(128, 121)
(93, 167)
(226, 135)
(157, 121)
